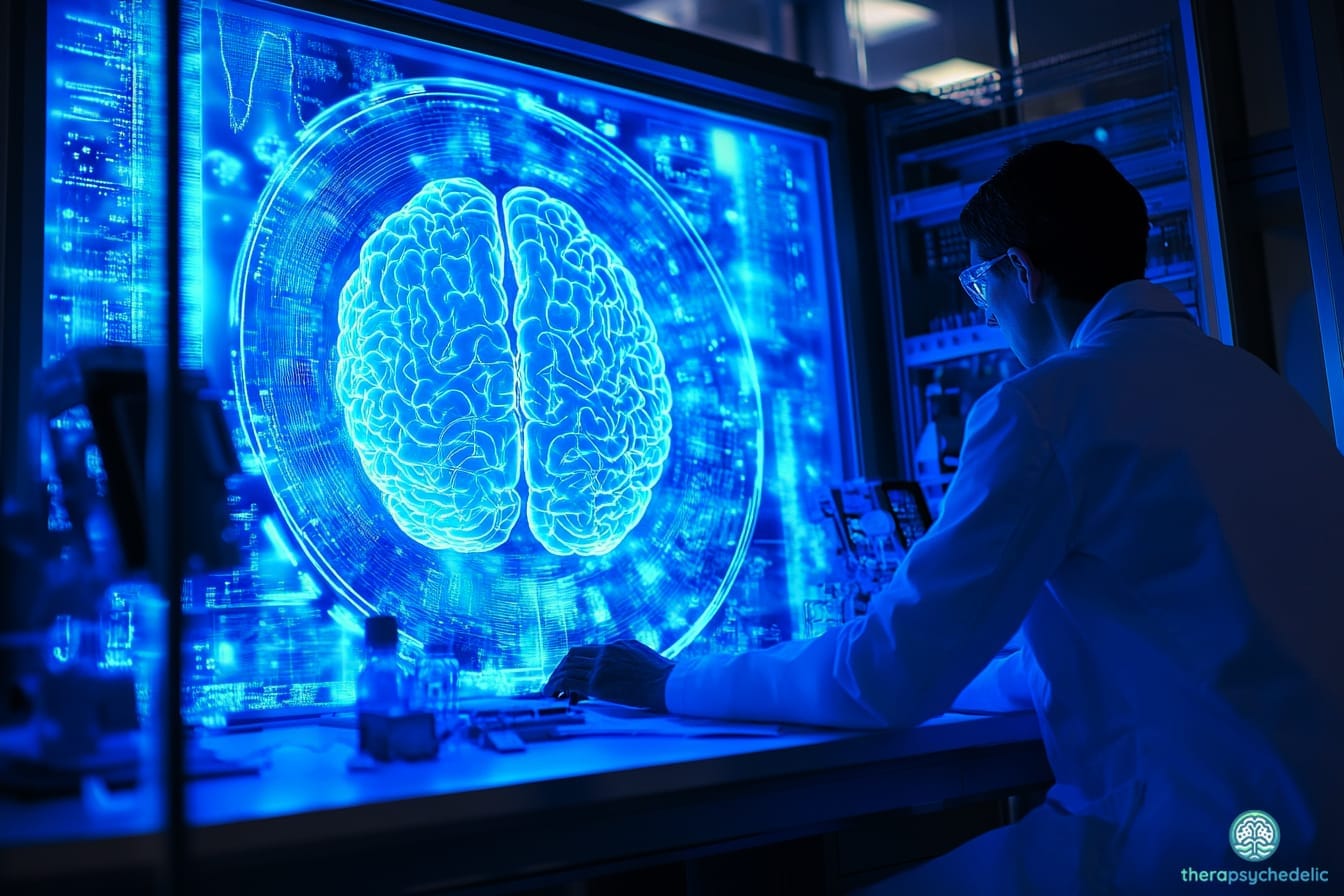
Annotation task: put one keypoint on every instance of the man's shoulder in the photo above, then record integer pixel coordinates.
(1110, 364)
(1065, 372)
(1063, 389)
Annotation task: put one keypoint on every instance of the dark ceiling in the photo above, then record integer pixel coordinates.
(964, 28)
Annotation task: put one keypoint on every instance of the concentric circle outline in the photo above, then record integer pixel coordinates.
(332, 120)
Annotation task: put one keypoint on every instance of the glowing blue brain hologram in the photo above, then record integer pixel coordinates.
(426, 374)
(494, 379)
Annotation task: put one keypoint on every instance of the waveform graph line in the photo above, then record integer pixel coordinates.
(239, 107)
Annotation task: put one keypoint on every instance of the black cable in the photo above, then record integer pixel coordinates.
(1005, 26)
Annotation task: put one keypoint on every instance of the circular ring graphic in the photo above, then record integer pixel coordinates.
(494, 379)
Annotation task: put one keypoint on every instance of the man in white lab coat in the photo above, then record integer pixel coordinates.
(1161, 514)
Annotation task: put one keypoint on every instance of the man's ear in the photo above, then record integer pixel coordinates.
(1029, 276)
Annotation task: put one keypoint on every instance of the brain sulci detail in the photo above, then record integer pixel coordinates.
(452, 402)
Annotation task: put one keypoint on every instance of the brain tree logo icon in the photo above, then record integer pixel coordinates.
(1254, 835)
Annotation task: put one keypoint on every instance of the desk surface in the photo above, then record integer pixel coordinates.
(621, 783)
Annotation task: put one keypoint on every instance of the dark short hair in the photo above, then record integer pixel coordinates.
(1067, 207)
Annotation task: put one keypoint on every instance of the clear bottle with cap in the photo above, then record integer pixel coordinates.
(381, 686)
(436, 674)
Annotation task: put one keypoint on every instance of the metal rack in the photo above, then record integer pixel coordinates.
(1123, 97)
(1135, 66)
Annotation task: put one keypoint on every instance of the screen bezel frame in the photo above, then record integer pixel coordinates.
(23, 161)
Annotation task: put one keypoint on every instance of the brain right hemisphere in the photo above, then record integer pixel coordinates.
(432, 390)
(596, 401)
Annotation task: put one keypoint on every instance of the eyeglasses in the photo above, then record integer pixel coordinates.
(973, 280)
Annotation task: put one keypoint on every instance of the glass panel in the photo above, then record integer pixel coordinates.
(81, 733)
(523, 359)
(506, 465)
(628, 435)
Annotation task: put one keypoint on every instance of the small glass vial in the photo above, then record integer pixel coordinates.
(381, 686)
(436, 676)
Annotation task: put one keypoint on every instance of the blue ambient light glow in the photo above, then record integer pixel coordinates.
(524, 359)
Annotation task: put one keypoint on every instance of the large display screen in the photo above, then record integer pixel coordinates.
(524, 359)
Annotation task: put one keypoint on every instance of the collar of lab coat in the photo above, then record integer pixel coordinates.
(1129, 298)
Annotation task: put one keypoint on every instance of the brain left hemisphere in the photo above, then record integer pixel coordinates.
(425, 370)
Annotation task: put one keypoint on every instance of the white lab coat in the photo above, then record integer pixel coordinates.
(1164, 517)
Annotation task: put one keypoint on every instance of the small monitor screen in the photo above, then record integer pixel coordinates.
(525, 359)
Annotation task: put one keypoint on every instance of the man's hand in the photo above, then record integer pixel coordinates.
(624, 672)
